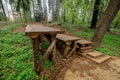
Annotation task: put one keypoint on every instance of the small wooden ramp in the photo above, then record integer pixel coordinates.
(96, 56)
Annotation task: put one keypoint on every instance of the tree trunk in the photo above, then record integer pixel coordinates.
(104, 23)
(33, 10)
(53, 11)
(4, 15)
(25, 18)
(95, 14)
(64, 18)
(45, 10)
(40, 8)
(58, 8)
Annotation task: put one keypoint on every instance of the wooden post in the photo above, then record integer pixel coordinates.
(46, 55)
(36, 53)
(74, 48)
(67, 49)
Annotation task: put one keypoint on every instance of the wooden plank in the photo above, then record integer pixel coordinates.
(41, 29)
(66, 38)
(74, 48)
(46, 55)
(99, 59)
(95, 54)
(84, 42)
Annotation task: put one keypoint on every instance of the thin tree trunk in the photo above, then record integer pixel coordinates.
(64, 18)
(40, 8)
(53, 11)
(4, 15)
(104, 23)
(33, 11)
(45, 10)
(58, 8)
(95, 14)
(25, 18)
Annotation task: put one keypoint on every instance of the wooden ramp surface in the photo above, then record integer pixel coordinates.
(96, 56)
(65, 38)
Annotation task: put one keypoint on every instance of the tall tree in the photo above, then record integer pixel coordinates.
(45, 10)
(95, 14)
(103, 25)
(25, 5)
(4, 15)
(58, 9)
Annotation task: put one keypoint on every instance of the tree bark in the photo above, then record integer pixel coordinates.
(58, 8)
(4, 15)
(25, 18)
(95, 14)
(64, 18)
(104, 23)
(45, 10)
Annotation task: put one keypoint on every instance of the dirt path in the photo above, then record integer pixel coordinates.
(81, 68)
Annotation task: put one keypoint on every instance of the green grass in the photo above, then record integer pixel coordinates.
(16, 55)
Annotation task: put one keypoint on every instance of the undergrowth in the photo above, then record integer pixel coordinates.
(16, 55)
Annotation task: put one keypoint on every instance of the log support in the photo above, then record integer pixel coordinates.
(67, 49)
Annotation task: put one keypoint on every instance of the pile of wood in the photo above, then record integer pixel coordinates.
(85, 46)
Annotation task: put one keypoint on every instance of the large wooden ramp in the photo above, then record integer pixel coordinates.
(81, 68)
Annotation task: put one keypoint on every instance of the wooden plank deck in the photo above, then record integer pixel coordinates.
(66, 38)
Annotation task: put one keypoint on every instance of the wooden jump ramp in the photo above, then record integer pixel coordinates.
(82, 47)
(61, 46)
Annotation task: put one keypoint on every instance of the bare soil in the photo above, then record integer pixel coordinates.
(81, 68)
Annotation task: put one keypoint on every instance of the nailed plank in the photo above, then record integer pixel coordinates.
(94, 54)
(66, 38)
(46, 55)
(100, 59)
(41, 29)
(84, 42)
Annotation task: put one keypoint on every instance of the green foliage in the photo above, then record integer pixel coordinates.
(24, 4)
(79, 11)
(16, 55)
(44, 45)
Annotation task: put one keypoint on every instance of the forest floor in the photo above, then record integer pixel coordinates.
(75, 68)
(81, 68)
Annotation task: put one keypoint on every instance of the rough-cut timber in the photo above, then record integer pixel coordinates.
(46, 55)
(37, 29)
(66, 38)
(99, 59)
(95, 54)
(84, 42)
(104, 23)
(84, 46)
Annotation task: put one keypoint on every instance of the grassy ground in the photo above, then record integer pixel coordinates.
(16, 56)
